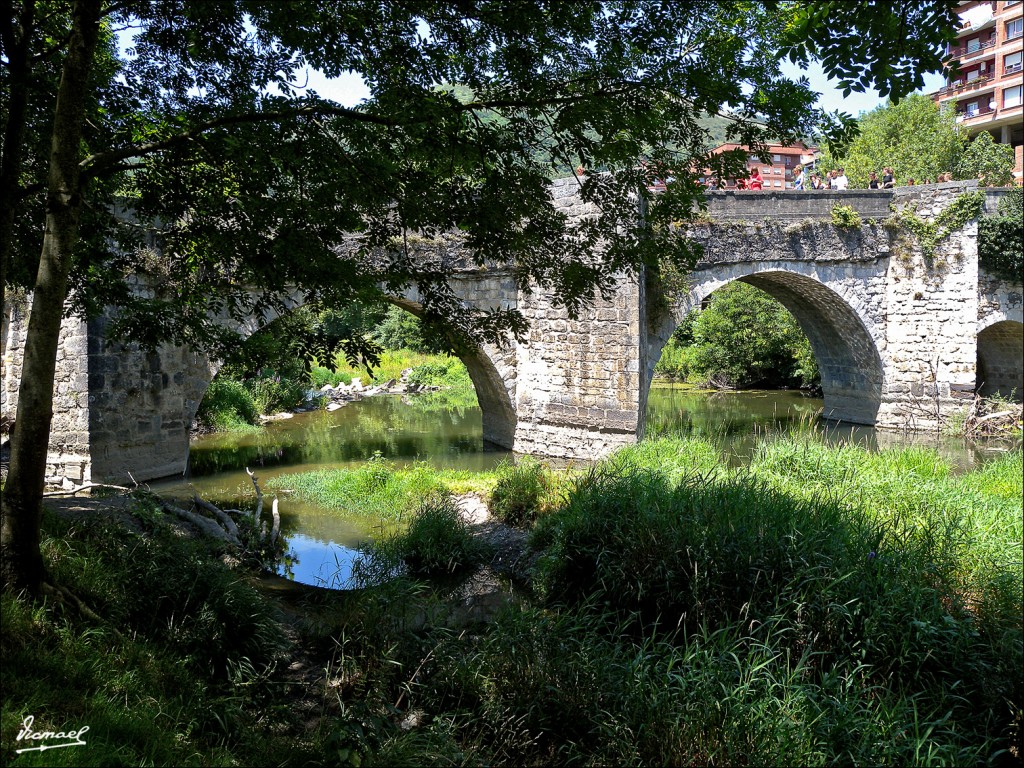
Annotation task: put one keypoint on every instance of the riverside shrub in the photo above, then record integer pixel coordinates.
(227, 405)
(518, 494)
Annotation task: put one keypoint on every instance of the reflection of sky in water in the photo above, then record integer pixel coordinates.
(317, 562)
(323, 543)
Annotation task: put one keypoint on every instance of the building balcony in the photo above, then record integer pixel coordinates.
(1012, 69)
(967, 87)
(960, 51)
(965, 114)
(976, 19)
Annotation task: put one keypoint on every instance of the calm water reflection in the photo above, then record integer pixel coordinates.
(322, 543)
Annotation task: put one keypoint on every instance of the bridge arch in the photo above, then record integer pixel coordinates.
(843, 333)
(492, 371)
(1000, 368)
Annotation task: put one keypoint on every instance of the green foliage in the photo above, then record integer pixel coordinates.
(181, 670)
(913, 137)
(672, 363)
(521, 492)
(319, 376)
(227, 406)
(202, 124)
(855, 42)
(271, 393)
(745, 338)
(845, 217)
(441, 372)
(883, 573)
(377, 489)
(1001, 238)
(401, 330)
(987, 161)
(437, 542)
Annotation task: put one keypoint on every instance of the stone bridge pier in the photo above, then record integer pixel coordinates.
(903, 338)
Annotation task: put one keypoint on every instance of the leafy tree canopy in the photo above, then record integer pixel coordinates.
(745, 338)
(913, 137)
(918, 140)
(990, 163)
(203, 125)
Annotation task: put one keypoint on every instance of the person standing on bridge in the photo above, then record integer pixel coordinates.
(798, 177)
(888, 179)
(873, 182)
(841, 182)
(756, 180)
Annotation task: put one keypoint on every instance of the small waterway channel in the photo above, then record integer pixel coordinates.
(323, 543)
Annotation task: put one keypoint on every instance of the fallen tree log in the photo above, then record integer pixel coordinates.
(223, 517)
(203, 524)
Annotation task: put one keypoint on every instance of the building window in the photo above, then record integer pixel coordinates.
(1011, 97)
(777, 183)
(973, 44)
(973, 75)
(1014, 29)
(972, 108)
(777, 158)
(1008, 3)
(1012, 63)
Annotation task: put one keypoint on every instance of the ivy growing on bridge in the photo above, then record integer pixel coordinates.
(929, 234)
(1001, 239)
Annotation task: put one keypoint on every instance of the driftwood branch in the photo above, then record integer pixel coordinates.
(204, 524)
(224, 518)
(259, 497)
(276, 530)
(86, 487)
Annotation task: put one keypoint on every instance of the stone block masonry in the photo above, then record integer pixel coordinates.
(903, 340)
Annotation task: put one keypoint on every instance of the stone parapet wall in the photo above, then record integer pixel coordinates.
(788, 205)
(806, 240)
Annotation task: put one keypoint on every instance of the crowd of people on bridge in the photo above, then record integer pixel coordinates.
(835, 179)
(808, 179)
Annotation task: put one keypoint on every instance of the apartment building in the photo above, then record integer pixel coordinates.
(986, 93)
(778, 172)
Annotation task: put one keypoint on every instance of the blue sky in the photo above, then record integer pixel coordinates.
(831, 97)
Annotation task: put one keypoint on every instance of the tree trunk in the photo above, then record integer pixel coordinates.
(23, 494)
(14, 136)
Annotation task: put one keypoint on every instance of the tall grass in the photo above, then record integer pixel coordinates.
(526, 489)
(181, 670)
(379, 488)
(882, 574)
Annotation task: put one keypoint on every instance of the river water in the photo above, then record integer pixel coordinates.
(323, 543)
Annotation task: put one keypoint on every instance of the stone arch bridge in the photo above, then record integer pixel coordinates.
(902, 341)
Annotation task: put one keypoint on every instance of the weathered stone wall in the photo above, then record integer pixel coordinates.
(141, 406)
(1000, 368)
(492, 368)
(930, 302)
(579, 392)
(69, 459)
